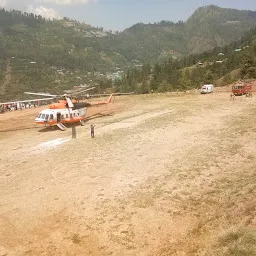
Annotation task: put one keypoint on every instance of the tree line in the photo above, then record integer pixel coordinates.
(215, 66)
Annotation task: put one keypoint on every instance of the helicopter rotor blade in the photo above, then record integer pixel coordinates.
(88, 89)
(42, 94)
(69, 102)
(107, 94)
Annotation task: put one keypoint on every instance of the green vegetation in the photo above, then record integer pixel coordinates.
(219, 66)
(53, 55)
(208, 27)
(240, 242)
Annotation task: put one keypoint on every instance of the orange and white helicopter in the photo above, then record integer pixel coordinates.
(66, 110)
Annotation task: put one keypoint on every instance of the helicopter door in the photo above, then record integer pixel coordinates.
(58, 117)
(82, 111)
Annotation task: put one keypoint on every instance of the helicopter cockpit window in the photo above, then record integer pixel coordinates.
(51, 116)
(43, 116)
(39, 116)
(46, 117)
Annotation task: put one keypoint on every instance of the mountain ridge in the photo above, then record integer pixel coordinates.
(59, 54)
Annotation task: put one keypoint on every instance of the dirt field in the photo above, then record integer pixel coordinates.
(165, 175)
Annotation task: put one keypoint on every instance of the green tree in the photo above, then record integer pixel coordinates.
(164, 86)
(208, 77)
(247, 66)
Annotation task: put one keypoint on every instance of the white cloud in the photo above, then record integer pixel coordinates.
(45, 12)
(33, 6)
(18, 5)
(2, 2)
(38, 6)
(24, 4)
(68, 2)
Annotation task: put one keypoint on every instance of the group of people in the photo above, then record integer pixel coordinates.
(12, 107)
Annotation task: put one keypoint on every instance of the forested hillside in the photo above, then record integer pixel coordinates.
(208, 27)
(44, 55)
(52, 55)
(62, 43)
(220, 66)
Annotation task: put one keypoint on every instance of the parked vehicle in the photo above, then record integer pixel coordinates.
(242, 89)
(207, 88)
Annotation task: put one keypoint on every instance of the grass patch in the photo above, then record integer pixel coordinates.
(237, 242)
(147, 199)
(76, 239)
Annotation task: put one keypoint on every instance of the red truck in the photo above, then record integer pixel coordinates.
(242, 89)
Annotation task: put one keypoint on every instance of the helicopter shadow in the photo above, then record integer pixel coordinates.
(93, 117)
(48, 129)
(19, 129)
(55, 128)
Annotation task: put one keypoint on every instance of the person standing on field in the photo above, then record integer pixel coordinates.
(92, 131)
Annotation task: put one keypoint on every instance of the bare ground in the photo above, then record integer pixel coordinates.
(167, 175)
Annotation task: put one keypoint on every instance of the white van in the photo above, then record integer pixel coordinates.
(207, 88)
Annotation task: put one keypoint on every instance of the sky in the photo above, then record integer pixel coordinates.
(120, 14)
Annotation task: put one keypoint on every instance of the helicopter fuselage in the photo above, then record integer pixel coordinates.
(66, 115)
(66, 112)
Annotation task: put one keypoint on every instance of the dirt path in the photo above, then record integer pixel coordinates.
(163, 177)
(8, 77)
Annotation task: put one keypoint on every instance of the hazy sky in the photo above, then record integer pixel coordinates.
(121, 14)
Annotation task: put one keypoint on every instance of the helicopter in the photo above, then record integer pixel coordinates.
(67, 110)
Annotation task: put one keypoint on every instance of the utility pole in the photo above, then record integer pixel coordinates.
(73, 131)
